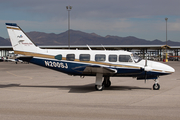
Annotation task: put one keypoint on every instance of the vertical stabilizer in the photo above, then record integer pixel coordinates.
(19, 40)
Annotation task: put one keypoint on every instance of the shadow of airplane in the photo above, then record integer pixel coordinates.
(76, 88)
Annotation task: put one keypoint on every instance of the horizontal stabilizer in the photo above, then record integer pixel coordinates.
(25, 58)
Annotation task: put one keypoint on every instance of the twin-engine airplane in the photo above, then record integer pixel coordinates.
(99, 63)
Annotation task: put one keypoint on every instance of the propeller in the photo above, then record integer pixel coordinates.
(145, 70)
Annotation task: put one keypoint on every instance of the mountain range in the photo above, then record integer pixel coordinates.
(82, 38)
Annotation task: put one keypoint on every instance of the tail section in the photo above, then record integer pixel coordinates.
(19, 40)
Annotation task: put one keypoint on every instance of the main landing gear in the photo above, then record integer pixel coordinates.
(156, 85)
(107, 83)
(99, 84)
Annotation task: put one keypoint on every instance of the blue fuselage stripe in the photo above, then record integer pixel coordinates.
(68, 67)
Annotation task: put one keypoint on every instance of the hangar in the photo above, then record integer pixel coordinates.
(154, 52)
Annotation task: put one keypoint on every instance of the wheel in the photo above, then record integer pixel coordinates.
(156, 86)
(107, 83)
(99, 87)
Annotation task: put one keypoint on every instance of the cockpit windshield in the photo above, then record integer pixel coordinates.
(136, 58)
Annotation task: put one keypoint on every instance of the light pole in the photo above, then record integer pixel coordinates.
(166, 38)
(69, 9)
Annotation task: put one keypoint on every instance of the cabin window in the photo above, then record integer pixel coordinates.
(84, 57)
(100, 57)
(125, 58)
(70, 57)
(112, 58)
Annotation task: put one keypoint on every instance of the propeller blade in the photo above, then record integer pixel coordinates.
(145, 71)
(145, 76)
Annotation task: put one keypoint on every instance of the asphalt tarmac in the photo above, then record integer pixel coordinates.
(30, 92)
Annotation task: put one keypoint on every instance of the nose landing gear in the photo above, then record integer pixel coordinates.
(156, 85)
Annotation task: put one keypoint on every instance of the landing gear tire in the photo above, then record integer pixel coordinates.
(156, 86)
(107, 83)
(99, 87)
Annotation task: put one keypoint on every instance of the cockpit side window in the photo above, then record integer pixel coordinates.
(112, 58)
(70, 57)
(136, 58)
(84, 57)
(125, 58)
(100, 57)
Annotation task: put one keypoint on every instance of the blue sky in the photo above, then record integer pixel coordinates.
(140, 18)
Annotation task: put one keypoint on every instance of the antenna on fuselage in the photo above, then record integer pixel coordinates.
(103, 47)
(88, 47)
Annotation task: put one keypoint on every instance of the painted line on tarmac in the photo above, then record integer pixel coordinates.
(28, 91)
(18, 75)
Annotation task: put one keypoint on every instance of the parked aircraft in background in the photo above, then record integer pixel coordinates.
(99, 63)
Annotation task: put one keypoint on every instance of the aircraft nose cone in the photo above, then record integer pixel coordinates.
(168, 69)
(172, 70)
(163, 67)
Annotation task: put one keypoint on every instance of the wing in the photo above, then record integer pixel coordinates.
(95, 69)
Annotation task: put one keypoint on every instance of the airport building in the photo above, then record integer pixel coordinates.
(153, 52)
